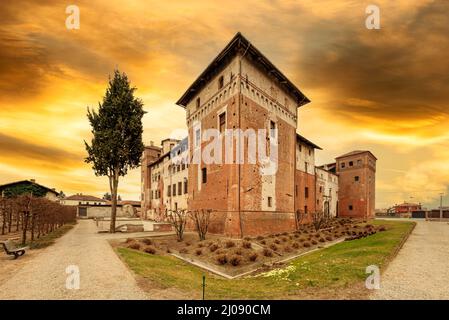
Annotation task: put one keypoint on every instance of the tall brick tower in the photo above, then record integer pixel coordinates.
(242, 89)
(356, 186)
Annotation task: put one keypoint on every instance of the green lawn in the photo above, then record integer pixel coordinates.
(339, 266)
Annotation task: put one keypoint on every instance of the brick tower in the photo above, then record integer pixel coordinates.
(357, 180)
(242, 89)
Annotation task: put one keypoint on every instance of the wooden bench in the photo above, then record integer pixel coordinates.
(11, 249)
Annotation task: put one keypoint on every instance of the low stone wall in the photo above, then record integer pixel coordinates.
(105, 211)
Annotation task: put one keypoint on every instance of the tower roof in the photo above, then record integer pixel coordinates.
(352, 153)
(240, 44)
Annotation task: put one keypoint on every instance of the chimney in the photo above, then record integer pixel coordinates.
(33, 180)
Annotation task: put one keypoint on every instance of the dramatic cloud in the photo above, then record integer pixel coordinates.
(385, 90)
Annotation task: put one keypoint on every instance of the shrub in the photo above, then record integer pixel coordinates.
(321, 240)
(235, 260)
(284, 233)
(284, 239)
(382, 228)
(238, 252)
(168, 250)
(263, 242)
(213, 247)
(229, 244)
(329, 238)
(253, 256)
(147, 241)
(273, 247)
(368, 226)
(267, 252)
(128, 240)
(150, 250)
(134, 245)
(287, 249)
(222, 259)
(295, 245)
(246, 244)
(302, 240)
(260, 238)
(198, 252)
(183, 250)
(296, 235)
(247, 238)
(306, 244)
(277, 241)
(314, 242)
(187, 243)
(200, 245)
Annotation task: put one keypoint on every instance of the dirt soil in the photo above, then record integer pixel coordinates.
(238, 256)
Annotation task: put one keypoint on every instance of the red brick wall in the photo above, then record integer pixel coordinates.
(358, 194)
(303, 180)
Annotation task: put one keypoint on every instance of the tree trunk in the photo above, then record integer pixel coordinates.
(24, 227)
(113, 182)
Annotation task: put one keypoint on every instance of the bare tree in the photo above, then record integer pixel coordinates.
(299, 218)
(178, 219)
(201, 218)
(319, 219)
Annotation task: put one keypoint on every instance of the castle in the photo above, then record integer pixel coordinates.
(242, 91)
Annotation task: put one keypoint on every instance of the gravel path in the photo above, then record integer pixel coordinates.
(102, 274)
(421, 269)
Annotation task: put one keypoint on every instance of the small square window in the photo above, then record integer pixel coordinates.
(270, 202)
(356, 178)
(350, 207)
(272, 128)
(220, 82)
(222, 122)
(343, 165)
(306, 192)
(351, 163)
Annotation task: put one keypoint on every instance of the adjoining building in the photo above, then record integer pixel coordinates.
(242, 90)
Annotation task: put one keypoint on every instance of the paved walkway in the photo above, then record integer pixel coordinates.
(421, 269)
(102, 274)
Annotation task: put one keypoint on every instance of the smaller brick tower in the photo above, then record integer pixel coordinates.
(357, 177)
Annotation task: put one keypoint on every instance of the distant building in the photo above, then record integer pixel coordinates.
(26, 187)
(82, 199)
(357, 184)
(166, 179)
(406, 207)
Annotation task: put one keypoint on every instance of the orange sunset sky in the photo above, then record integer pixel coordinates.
(384, 90)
